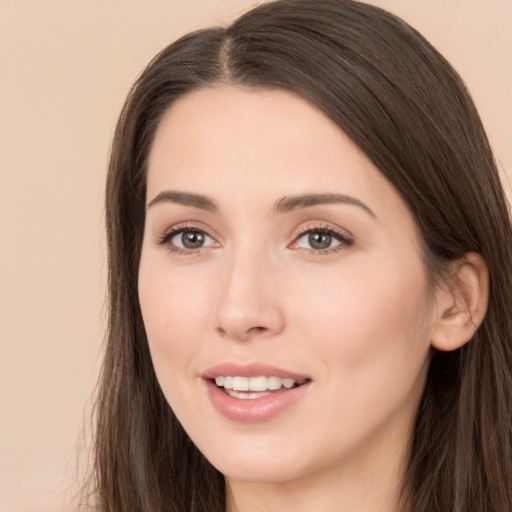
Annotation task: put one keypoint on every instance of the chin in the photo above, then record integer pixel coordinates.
(262, 460)
(268, 471)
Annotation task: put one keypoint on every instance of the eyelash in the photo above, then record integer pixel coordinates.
(175, 231)
(344, 241)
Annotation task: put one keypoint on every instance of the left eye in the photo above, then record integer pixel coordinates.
(318, 239)
(191, 239)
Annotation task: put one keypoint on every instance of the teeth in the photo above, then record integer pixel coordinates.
(241, 383)
(274, 382)
(258, 384)
(288, 383)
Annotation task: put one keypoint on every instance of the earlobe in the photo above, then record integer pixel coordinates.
(461, 303)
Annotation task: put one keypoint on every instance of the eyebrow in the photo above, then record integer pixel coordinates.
(283, 205)
(290, 203)
(185, 199)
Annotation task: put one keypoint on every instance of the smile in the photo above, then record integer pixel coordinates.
(252, 393)
(254, 387)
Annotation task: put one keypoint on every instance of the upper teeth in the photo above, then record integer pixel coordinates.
(254, 383)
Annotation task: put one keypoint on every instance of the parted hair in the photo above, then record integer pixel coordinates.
(405, 107)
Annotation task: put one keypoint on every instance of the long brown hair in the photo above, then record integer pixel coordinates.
(399, 100)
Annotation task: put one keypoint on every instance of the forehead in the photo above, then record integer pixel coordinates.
(237, 143)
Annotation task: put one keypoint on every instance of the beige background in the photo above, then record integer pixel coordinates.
(65, 67)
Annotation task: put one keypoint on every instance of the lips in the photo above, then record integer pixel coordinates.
(253, 392)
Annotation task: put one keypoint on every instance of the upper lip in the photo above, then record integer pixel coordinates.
(254, 369)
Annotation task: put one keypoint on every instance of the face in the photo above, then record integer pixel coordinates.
(282, 289)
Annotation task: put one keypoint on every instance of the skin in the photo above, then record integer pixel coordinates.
(357, 317)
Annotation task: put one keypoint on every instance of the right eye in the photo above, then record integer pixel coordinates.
(191, 239)
(187, 239)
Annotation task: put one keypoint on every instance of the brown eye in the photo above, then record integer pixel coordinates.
(192, 239)
(187, 239)
(319, 240)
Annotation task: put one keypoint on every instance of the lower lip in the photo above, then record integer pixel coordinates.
(254, 410)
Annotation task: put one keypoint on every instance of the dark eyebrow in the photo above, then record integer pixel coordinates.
(290, 203)
(184, 198)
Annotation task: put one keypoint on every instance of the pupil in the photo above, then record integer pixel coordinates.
(192, 239)
(319, 240)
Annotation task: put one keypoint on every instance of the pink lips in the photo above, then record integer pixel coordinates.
(257, 409)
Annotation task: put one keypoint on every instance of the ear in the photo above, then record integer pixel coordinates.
(461, 303)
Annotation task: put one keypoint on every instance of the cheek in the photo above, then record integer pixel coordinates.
(369, 338)
(368, 320)
(174, 312)
(171, 299)
(168, 318)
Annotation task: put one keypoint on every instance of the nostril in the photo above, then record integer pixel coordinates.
(243, 334)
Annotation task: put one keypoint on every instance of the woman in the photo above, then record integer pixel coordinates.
(310, 276)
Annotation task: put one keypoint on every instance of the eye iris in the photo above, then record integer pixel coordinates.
(319, 240)
(192, 239)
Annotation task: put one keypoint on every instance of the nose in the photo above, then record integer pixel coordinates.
(249, 300)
